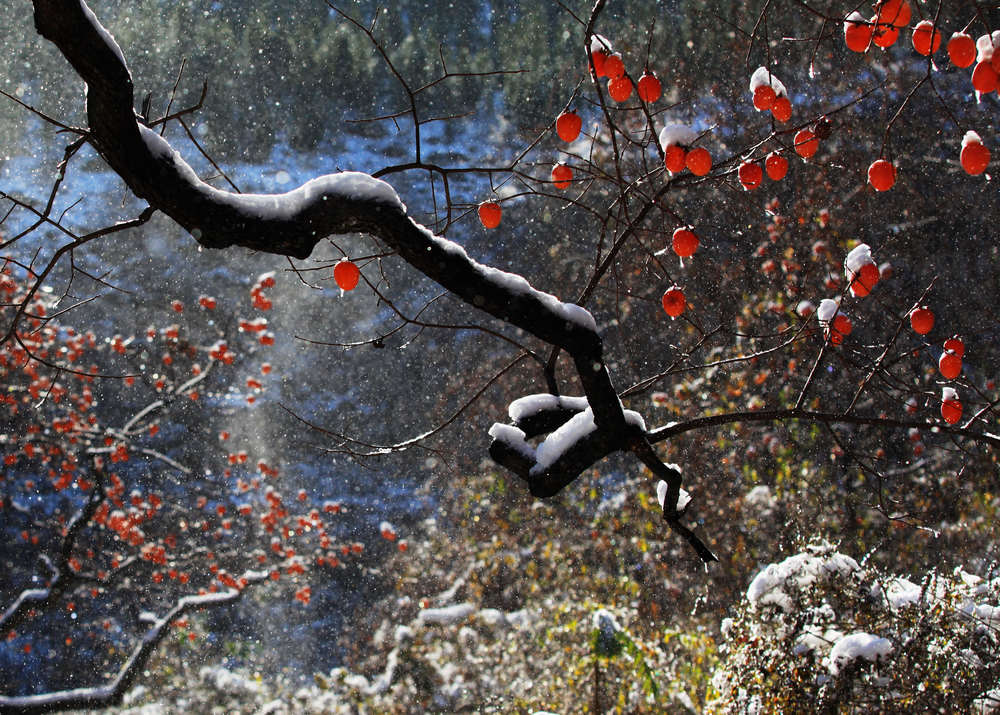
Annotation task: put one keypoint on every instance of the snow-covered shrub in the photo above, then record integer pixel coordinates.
(820, 632)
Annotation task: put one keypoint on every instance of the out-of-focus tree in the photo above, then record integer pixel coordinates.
(126, 505)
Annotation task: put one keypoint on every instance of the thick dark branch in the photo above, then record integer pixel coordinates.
(291, 224)
(671, 515)
(286, 224)
(573, 441)
(572, 444)
(548, 481)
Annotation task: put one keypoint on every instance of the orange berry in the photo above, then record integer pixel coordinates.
(561, 176)
(841, 328)
(776, 166)
(674, 302)
(857, 33)
(613, 66)
(926, 38)
(685, 242)
(650, 88)
(885, 35)
(620, 88)
(782, 109)
(750, 175)
(894, 12)
(950, 365)
(975, 158)
(699, 161)
(951, 410)
(675, 158)
(865, 279)
(984, 78)
(489, 214)
(346, 274)
(600, 59)
(568, 126)
(764, 97)
(962, 50)
(922, 320)
(955, 345)
(806, 143)
(882, 175)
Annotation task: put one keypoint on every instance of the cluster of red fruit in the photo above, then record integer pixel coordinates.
(769, 94)
(891, 16)
(605, 62)
(862, 275)
(146, 527)
(949, 364)
(751, 175)
(257, 297)
(684, 243)
(883, 29)
(974, 157)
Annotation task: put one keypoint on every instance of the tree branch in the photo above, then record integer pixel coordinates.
(113, 692)
(292, 223)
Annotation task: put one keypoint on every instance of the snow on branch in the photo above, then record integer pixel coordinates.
(572, 440)
(347, 185)
(25, 599)
(857, 645)
(531, 405)
(62, 576)
(771, 586)
(113, 692)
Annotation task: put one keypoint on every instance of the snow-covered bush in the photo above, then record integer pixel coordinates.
(821, 632)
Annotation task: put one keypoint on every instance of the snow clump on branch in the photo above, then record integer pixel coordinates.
(769, 587)
(762, 77)
(828, 308)
(683, 499)
(857, 645)
(677, 135)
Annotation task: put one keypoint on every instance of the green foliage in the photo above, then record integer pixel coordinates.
(623, 642)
